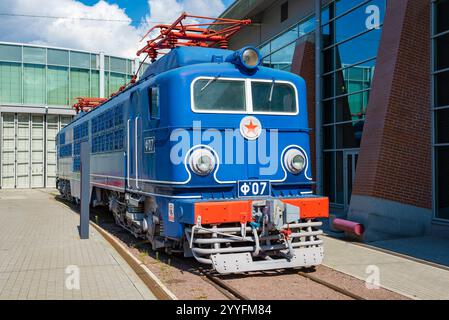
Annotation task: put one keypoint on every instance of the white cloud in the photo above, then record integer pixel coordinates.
(117, 38)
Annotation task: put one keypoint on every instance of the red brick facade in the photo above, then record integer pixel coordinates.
(303, 64)
(395, 154)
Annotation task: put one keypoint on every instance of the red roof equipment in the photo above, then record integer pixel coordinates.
(183, 33)
(86, 104)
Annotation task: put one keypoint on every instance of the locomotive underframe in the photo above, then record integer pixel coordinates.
(228, 248)
(234, 249)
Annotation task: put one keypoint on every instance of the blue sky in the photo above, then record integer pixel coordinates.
(136, 9)
(111, 26)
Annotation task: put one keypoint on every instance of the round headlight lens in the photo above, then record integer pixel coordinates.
(294, 161)
(202, 162)
(250, 58)
(298, 162)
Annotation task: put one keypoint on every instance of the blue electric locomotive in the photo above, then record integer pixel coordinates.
(207, 154)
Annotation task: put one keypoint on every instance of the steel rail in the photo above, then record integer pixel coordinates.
(330, 285)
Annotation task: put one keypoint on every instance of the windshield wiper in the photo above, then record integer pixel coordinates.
(271, 91)
(209, 82)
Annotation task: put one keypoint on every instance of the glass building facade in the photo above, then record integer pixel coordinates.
(351, 31)
(440, 77)
(37, 87)
(46, 76)
(278, 52)
(350, 41)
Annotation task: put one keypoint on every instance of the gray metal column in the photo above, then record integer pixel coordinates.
(432, 105)
(102, 93)
(85, 190)
(318, 89)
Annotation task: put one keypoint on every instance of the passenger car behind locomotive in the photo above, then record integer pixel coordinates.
(177, 158)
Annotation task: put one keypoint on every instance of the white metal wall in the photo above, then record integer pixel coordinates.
(28, 149)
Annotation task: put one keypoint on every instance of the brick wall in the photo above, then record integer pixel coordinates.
(303, 64)
(395, 154)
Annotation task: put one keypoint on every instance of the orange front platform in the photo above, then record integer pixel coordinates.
(241, 210)
(317, 207)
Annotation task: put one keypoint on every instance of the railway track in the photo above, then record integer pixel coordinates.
(228, 290)
(330, 285)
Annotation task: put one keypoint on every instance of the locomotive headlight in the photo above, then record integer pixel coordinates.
(202, 162)
(294, 161)
(250, 57)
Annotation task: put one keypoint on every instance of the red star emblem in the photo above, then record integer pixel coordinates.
(251, 127)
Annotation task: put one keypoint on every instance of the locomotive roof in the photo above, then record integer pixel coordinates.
(183, 56)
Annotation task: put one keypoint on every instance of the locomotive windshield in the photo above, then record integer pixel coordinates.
(229, 95)
(273, 97)
(219, 95)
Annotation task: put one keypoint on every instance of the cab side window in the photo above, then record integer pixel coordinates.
(154, 102)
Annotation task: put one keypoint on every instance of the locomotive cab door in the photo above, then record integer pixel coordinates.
(133, 127)
(150, 136)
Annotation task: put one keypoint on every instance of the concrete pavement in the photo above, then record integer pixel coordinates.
(41, 254)
(410, 278)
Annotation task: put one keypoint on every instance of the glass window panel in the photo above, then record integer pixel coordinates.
(273, 97)
(10, 53)
(341, 6)
(355, 79)
(34, 84)
(10, 82)
(116, 80)
(154, 103)
(95, 84)
(328, 132)
(65, 120)
(349, 135)
(221, 95)
(283, 39)
(442, 13)
(282, 59)
(143, 68)
(442, 193)
(58, 85)
(442, 126)
(442, 92)
(358, 49)
(328, 111)
(326, 36)
(442, 52)
(306, 26)
(328, 60)
(94, 61)
(329, 176)
(79, 83)
(34, 55)
(118, 65)
(80, 59)
(106, 84)
(328, 85)
(325, 14)
(58, 57)
(265, 50)
(356, 21)
(106, 63)
(352, 107)
(266, 62)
